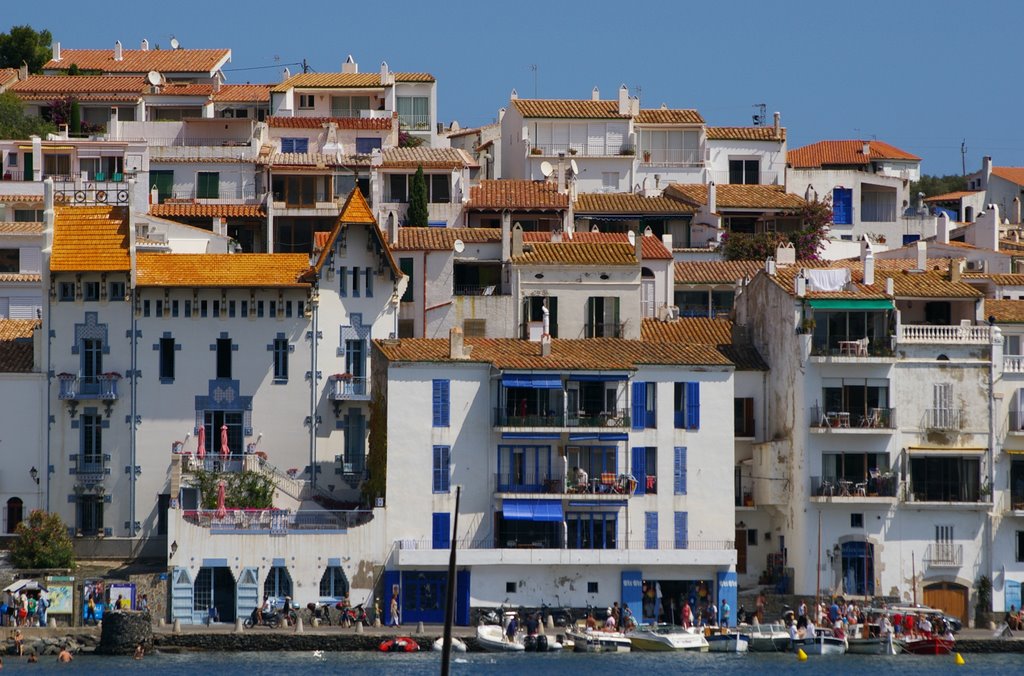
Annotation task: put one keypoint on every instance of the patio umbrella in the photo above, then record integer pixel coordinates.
(201, 442)
(225, 451)
(221, 509)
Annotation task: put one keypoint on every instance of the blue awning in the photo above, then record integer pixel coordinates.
(598, 377)
(548, 436)
(598, 436)
(532, 510)
(597, 503)
(583, 436)
(537, 381)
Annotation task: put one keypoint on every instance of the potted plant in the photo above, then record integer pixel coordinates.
(572, 151)
(113, 375)
(647, 156)
(536, 151)
(807, 325)
(342, 376)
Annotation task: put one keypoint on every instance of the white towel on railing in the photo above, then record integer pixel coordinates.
(827, 280)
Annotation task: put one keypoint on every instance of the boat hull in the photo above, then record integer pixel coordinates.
(491, 639)
(874, 646)
(929, 646)
(668, 642)
(728, 643)
(822, 645)
(767, 638)
(600, 642)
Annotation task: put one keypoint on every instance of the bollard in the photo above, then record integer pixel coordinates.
(550, 622)
(161, 622)
(419, 627)
(239, 626)
(359, 627)
(298, 625)
(376, 622)
(52, 623)
(177, 627)
(315, 622)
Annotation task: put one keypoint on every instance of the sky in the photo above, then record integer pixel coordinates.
(924, 76)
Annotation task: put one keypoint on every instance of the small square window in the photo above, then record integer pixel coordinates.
(116, 290)
(231, 308)
(174, 308)
(857, 520)
(91, 291)
(216, 308)
(752, 537)
(510, 587)
(259, 308)
(592, 588)
(307, 101)
(767, 536)
(66, 291)
(245, 308)
(159, 308)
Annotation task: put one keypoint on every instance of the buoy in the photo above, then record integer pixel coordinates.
(960, 661)
(801, 655)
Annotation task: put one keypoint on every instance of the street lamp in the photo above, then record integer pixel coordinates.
(34, 473)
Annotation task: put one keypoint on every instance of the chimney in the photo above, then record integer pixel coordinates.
(778, 125)
(942, 228)
(562, 183)
(216, 85)
(517, 240)
(456, 349)
(145, 45)
(285, 74)
(384, 75)
(56, 50)
(811, 195)
(986, 171)
(623, 100)
(890, 287)
(546, 316)
(393, 228)
(666, 239)
(869, 266)
(954, 271)
(23, 72)
(595, 94)
(506, 235)
(118, 52)
(800, 285)
(922, 254)
(712, 198)
(545, 345)
(1016, 210)
(514, 95)
(638, 246)
(501, 114)
(350, 65)
(866, 148)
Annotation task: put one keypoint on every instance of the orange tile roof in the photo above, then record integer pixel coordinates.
(217, 270)
(443, 239)
(715, 272)
(8, 75)
(171, 210)
(951, 196)
(745, 134)
(16, 347)
(704, 331)
(628, 203)
(930, 283)
(576, 253)
(185, 89)
(345, 80)
(243, 93)
(16, 277)
(652, 247)
(569, 108)
(21, 199)
(142, 61)
(20, 228)
(370, 123)
(356, 211)
(321, 160)
(1006, 279)
(428, 158)
(669, 116)
(586, 354)
(1005, 311)
(830, 153)
(734, 196)
(87, 239)
(516, 194)
(79, 84)
(1011, 174)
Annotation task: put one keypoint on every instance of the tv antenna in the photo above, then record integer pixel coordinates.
(574, 168)
(459, 246)
(963, 157)
(762, 114)
(534, 67)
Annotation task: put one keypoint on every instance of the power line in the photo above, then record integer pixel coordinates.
(276, 65)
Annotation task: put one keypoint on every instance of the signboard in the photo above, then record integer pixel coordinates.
(727, 590)
(61, 595)
(1012, 593)
(121, 590)
(93, 589)
(633, 591)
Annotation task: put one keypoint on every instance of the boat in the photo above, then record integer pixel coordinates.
(728, 642)
(872, 644)
(766, 638)
(824, 642)
(399, 644)
(599, 641)
(539, 643)
(457, 645)
(929, 645)
(662, 637)
(491, 638)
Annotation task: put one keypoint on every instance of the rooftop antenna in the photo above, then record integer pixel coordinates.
(575, 168)
(534, 67)
(963, 157)
(762, 114)
(459, 246)
(174, 43)
(639, 90)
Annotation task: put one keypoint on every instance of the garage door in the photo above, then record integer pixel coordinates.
(948, 596)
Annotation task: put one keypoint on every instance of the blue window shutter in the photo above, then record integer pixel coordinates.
(442, 464)
(442, 403)
(343, 281)
(302, 145)
(639, 405)
(681, 534)
(679, 471)
(369, 283)
(650, 530)
(287, 145)
(842, 206)
(693, 406)
(442, 530)
(640, 469)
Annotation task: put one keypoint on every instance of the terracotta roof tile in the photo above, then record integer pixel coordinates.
(669, 116)
(516, 194)
(628, 203)
(652, 247)
(428, 158)
(715, 272)
(170, 210)
(1011, 174)
(365, 123)
(951, 196)
(356, 211)
(345, 80)
(302, 159)
(8, 75)
(186, 89)
(17, 277)
(704, 331)
(443, 239)
(930, 283)
(16, 228)
(569, 108)
(243, 93)
(90, 239)
(79, 84)
(734, 196)
(588, 354)
(745, 134)
(142, 61)
(16, 349)
(21, 199)
(842, 153)
(1005, 311)
(218, 270)
(576, 253)
(1005, 280)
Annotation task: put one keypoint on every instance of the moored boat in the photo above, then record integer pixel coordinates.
(664, 637)
(599, 641)
(540, 643)
(728, 642)
(872, 642)
(491, 637)
(399, 644)
(457, 645)
(929, 645)
(824, 642)
(766, 638)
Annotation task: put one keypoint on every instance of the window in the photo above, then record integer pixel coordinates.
(942, 479)
(680, 523)
(163, 181)
(414, 112)
(12, 159)
(208, 185)
(842, 206)
(295, 145)
(355, 362)
(147, 308)
(442, 468)
(355, 442)
(591, 530)
(281, 359)
(857, 474)
(365, 146)
(204, 308)
(686, 406)
(441, 403)
(174, 308)
(644, 405)
(398, 188)
(671, 147)
(441, 530)
(533, 314)
(406, 328)
(28, 215)
(745, 172)
(857, 520)
(679, 470)
(56, 164)
(343, 281)
(355, 282)
(223, 357)
(10, 260)
(645, 469)
(406, 265)
(90, 291)
(603, 317)
(1020, 545)
(349, 106)
(91, 459)
(66, 292)
(440, 188)
(333, 583)
(92, 364)
(650, 530)
(166, 360)
(525, 469)
(15, 515)
(510, 587)
(592, 587)
(751, 537)
(743, 416)
(278, 582)
(89, 514)
(307, 101)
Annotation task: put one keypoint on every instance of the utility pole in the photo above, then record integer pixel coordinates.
(305, 66)
(963, 157)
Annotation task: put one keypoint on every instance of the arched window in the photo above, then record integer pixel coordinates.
(334, 584)
(15, 513)
(278, 583)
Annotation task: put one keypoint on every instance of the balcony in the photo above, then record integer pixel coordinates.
(227, 192)
(673, 157)
(603, 329)
(582, 150)
(617, 419)
(763, 177)
(476, 290)
(963, 334)
(90, 469)
(1013, 363)
(413, 122)
(872, 420)
(944, 491)
(74, 388)
(885, 485)
(529, 482)
(943, 419)
(348, 388)
(14, 175)
(944, 555)
(277, 521)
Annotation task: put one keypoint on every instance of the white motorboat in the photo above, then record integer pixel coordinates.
(457, 645)
(822, 643)
(873, 645)
(491, 637)
(766, 638)
(728, 642)
(599, 641)
(662, 637)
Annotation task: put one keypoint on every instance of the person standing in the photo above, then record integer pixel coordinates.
(687, 615)
(90, 609)
(726, 610)
(395, 620)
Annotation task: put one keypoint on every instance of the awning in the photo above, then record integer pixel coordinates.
(1013, 452)
(851, 304)
(537, 381)
(597, 503)
(28, 585)
(951, 450)
(598, 377)
(550, 436)
(599, 436)
(532, 510)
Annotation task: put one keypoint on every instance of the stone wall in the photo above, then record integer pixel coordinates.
(123, 630)
(157, 588)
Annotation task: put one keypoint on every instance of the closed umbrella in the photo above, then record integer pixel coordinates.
(225, 451)
(221, 508)
(201, 442)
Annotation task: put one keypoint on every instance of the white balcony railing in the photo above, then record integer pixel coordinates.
(944, 555)
(1013, 364)
(941, 335)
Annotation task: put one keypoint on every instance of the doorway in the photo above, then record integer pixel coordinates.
(214, 420)
(949, 597)
(858, 567)
(214, 587)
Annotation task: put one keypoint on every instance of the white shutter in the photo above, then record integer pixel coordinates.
(578, 136)
(31, 260)
(24, 307)
(595, 138)
(560, 136)
(616, 137)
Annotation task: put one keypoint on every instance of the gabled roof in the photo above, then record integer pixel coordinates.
(1005, 311)
(243, 93)
(951, 196)
(220, 270)
(845, 153)
(16, 349)
(345, 80)
(171, 210)
(1001, 279)
(59, 85)
(205, 61)
(516, 194)
(669, 116)
(576, 253)
(8, 75)
(364, 123)
(314, 160)
(628, 203)
(651, 247)
(428, 158)
(745, 134)
(355, 211)
(715, 272)
(90, 239)
(443, 239)
(569, 109)
(735, 196)
(1011, 174)
(592, 354)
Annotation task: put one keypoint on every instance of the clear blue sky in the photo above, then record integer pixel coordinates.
(920, 75)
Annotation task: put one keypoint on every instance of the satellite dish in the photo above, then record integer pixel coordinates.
(545, 168)
(459, 246)
(632, 238)
(575, 167)
(153, 78)
(174, 43)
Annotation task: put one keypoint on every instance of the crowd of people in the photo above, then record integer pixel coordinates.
(24, 609)
(849, 619)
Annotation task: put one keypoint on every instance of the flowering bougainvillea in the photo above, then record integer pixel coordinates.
(815, 218)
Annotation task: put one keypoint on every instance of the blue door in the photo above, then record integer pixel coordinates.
(423, 596)
(842, 206)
